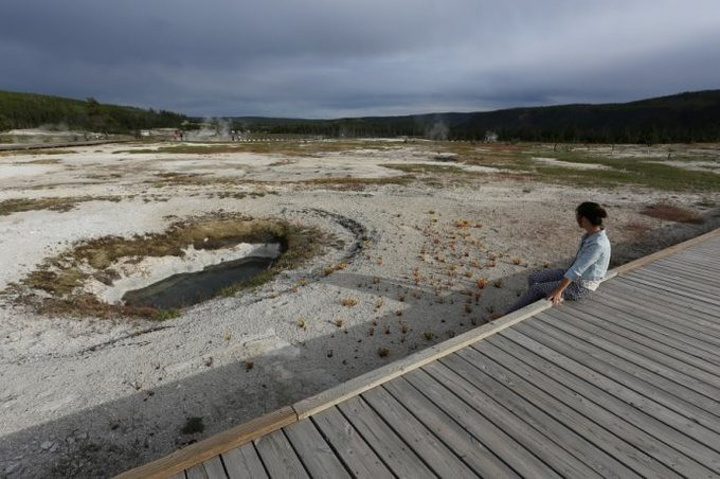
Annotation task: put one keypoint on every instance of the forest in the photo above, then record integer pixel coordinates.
(28, 110)
(685, 117)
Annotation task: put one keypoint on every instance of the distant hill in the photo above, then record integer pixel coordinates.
(28, 110)
(686, 117)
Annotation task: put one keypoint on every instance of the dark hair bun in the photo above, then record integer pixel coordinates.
(592, 211)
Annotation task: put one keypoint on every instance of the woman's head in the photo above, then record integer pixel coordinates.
(592, 212)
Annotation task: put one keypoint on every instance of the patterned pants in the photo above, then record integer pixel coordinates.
(542, 283)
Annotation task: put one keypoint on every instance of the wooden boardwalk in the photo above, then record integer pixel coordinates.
(626, 384)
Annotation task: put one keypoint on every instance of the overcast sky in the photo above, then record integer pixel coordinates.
(337, 58)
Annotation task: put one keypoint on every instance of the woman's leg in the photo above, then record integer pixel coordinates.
(535, 292)
(575, 292)
(545, 275)
(541, 290)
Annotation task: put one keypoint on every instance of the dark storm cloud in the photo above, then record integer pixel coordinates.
(328, 58)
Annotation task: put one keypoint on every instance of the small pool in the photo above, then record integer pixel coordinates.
(186, 289)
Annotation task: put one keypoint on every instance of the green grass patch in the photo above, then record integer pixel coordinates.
(642, 172)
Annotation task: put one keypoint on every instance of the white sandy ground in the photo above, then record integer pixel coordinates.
(91, 398)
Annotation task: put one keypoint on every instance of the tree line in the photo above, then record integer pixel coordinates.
(686, 117)
(27, 110)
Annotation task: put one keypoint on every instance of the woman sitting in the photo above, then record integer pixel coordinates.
(587, 270)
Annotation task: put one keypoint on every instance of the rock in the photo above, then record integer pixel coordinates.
(46, 445)
(108, 276)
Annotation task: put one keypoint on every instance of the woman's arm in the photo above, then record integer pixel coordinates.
(588, 255)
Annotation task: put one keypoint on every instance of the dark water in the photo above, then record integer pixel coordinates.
(186, 289)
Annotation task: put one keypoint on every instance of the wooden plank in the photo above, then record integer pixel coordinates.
(496, 439)
(662, 319)
(677, 276)
(520, 427)
(671, 395)
(687, 270)
(692, 258)
(630, 288)
(210, 469)
(196, 472)
(349, 445)
(632, 424)
(317, 456)
(695, 315)
(572, 326)
(244, 463)
(473, 452)
(618, 315)
(620, 270)
(401, 460)
(615, 436)
(690, 294)
(211, 447)
(642, 343)
(356, 386)
(705, 262)
(438, 457)
(693, 291)
(628, 317)
(702, 252)
(706, 254)
(179, 475)
(677, 284)
(279, 457)
(559, 424)
(215, 468)
(671, 423)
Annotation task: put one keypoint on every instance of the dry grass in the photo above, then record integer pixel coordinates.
(44, 161)
(38, 152)
(287, 148)
(335, 183)
(349, 302)
(637, 228)
(8, 207)
(62, 276)
(425, 168)
(354, 184)
(670, 212)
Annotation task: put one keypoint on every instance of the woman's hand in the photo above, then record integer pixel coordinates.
(557, 296)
